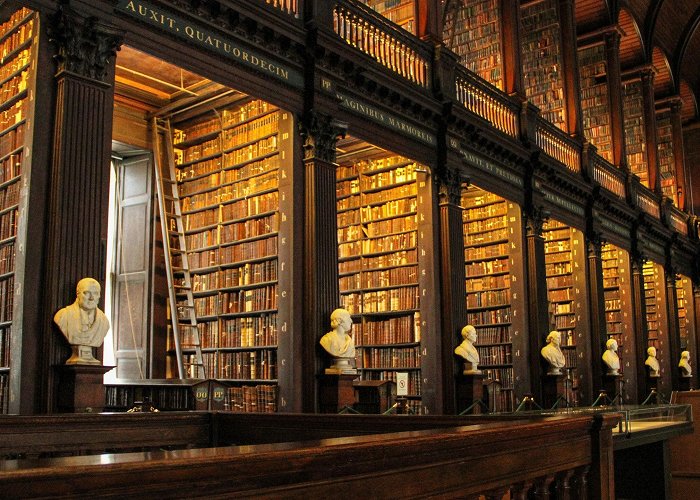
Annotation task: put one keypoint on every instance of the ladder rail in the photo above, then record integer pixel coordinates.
(165, 227)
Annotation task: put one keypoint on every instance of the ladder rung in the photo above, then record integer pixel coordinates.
(182, 287)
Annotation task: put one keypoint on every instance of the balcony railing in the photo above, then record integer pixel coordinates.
(290, 7)
(679, 221)
(647, 203)
(608, 176)
(556, 144)
(487, 102)
(385, 42)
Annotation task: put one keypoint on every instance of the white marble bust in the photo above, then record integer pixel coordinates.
(83, 324)
(467, 351)
(610, 357)
(652, 362)
(338, 343)
(684, 365)
(552, 353)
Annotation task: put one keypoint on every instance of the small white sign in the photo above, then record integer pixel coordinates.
(402, 384)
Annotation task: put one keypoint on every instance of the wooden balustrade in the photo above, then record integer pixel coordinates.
(679, 221)
(488, 102)
(609, 176)
(646, 202)
(290, 7)
(385, 42)
(541, 457)
(556, 144)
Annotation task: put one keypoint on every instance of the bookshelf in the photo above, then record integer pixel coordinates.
(635, 135)
(401, 12)
(542, 59)
(655, 312)
(564, 269)
(378, 264)
(684, 299)
(492, 250)
(664, 155)
(16, 52)
(595, 103)
(473, 31)
(228, 168)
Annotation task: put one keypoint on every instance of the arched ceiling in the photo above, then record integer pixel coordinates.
(661, 29)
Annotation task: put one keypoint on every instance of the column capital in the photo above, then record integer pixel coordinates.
(84, 45)
(450, 188)
(320, 134)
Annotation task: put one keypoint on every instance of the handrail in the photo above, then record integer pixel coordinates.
(645, 200)
(290, 7)
(487, 101)
(384, 41)
(608, 176)
(678, 220)
(558, 145)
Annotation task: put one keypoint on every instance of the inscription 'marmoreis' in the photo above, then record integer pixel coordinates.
(206, 38)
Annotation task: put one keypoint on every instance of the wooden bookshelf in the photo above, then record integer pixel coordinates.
(565, 274)
(229, 179)
(595, 100)
(16, 52)
(657, 330)
(473, 31)
(542, 59)
(401, 12)
(635, 135)
(378, 264)
(492, 250)
(664, 155)
(686, 323)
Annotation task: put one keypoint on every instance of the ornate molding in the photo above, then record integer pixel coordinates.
(84, 46)
(320, 134)
(450, 187)
(535, 220)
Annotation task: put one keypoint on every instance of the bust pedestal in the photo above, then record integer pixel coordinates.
(81, 388)
(336, 392)
(553, 389)
(470, 389)
(611, 385)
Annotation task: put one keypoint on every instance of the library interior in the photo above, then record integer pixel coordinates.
(491, 208)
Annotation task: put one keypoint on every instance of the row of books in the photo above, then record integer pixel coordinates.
(256, 299)
(15, 18)
(7, 258)
(390, 357)
(383, 261)
(11, 141)
(252, 331)
(495, 355)
(250, 273)
(9, 196)
(491, 298)
(241, 365)
(12, 115)
(368, 166)
(18, 37)
(171, 398)
(243, 203)
(487, 267)
(398, 330)
(391, 300)
(4, 393)
(380, 278)
(635, 137)
(502, 377)
(484, 211)
(390, 243)
(5, 346)
(251, 398)
(495, 316)
(14, 86)
(8, 224)
(488, 282)
(493, 334)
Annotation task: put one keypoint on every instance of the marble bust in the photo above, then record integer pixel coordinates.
(83, 324)
(610, 357)
(467, 351)
(552, 353)
(652, 362)
(684, 365)
(339, 344)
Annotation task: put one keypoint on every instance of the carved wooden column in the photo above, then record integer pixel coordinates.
(596, 300)
(320, 275)
(674, 350)
(454, 310)
(79, 190)
(678, 153)
(649, 112)
(574, 124)
(617, 121)
(640, 324)
(537, 296)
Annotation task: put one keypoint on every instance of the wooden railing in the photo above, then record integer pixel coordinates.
(608, 176)
(487, 102)
(385, 42)
(556, 144)
(290, 7)
(539, 457)
(646, 202)
(679, 221)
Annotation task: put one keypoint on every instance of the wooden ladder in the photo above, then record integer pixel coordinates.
(181, 300)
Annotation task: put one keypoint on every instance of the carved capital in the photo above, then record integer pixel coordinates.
(535, 220)
(84, 46)
(450, 187)
(320, 134)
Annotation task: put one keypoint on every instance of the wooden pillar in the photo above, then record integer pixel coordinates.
(79, 191)
(674, 351)
(640, 324)
(454, 309)
(695, 354)
(617, 121)
(538, 326)
(320, 248)
(512, 66)
(429, 20)
(596, 299)
(649, 112)
(678, 154)
(572, 87)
